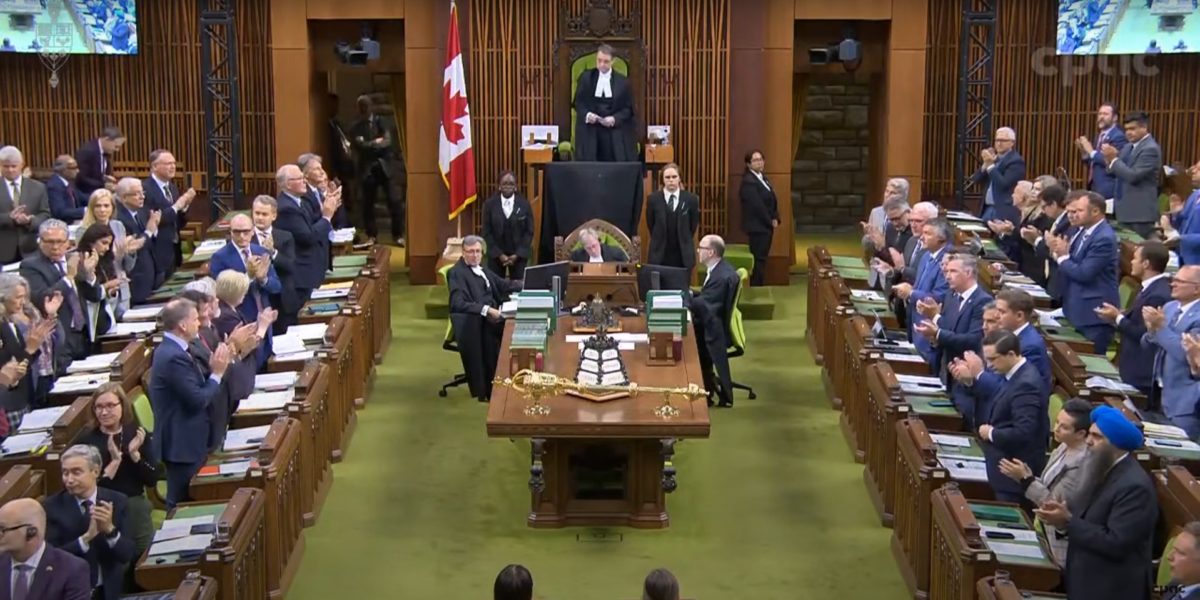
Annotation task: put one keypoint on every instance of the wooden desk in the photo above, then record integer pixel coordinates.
(621, 442)
(334, 351)
(236, 558)
(615, 282)
(1178, 498)
(63, 434)
(22, 481)
(961, 556)
(1072, 369)
(193, 587)
(989, 588)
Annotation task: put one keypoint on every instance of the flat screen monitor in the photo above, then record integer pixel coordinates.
(62, 27)
(541, 277)
(669, 278)
(1091, 27)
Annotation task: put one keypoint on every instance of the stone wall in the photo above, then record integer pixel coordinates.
(829, 176)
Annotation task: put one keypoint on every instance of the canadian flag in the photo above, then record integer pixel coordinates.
(456, 159)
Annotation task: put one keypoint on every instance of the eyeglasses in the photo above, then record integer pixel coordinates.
(107, 406)
(241, 231)
(709, 248)
(1004, 139)
(54, 242)
(5, 530)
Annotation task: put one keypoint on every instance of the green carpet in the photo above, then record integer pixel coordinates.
(772, 506)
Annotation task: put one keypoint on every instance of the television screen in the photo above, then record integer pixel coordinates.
(68, 26)
(1128, 26)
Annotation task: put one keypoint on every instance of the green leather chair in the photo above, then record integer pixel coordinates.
(437, 303)
(449, 345)
(737, 345)
(1163, 578)
(581, 64)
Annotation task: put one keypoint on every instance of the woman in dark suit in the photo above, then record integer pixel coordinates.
(27, 336)
(760, 213)
(249, 346)
(102, 315)
(508, 229)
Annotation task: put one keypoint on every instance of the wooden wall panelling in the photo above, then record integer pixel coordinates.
(357, 9)
(155, 96)
(424, 50)
(1048, 100)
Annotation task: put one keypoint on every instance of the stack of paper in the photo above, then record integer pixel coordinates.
(24, 443)
(963, 469)
(1032, 289)
(958, 215)
(1019, 535)
(190, 543)
(311, 332)
(173, 529)
(325, 294)
(1160, 431)
(236, 467)
(958, 441)
(287, 344)
(910, 358)
(131, 329)
(247, 438)
(42, 419)
(1017, 550)
(11, 267)
(1172, 444)
(1104, 383)
(259, 401)
(80, 382)
(142, 313)
(342, 236)
(867, 295)
(94, 363)
(275, 381)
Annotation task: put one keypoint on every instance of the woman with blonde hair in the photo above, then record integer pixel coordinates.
(27, 335)
(102, 209)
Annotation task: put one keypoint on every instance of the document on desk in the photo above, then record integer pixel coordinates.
(957, 441)
(958, 215)
(1019, 535)
(42, 419)
(323, 294)
(923, 380)
(247, 438)
(174, 529)
(867, 295)
(131, 328)
(191, 543)
(909, 358)
(921, 388)
(1172, 444)
(287, 344)
(80, 382)
(266, 401)
(287, 379)
(236, 467)
(1104, 383)
(24, 443)
(1159, 430)
(302, 355)
(308, 332)
(965, 470)
(1018, 550)
(142, 313)
(93, 363)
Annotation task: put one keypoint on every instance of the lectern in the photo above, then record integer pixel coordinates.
(615, 283)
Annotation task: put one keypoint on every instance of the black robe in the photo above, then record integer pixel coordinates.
(478, 337)
(596, 142)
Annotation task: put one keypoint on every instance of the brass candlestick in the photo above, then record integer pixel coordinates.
(535, 386)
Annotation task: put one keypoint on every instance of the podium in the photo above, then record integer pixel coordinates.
(614, 282)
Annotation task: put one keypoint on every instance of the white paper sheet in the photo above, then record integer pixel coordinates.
(191, 543)
(26, 442)
(305, 355)
(307, 332)
(236, 467)
(868, 295)
(11, 267)
(1164, 431)
(80, 382)
(93, 363)
(1172, 444)
(287, 344)
(275, 380)
(958, 215)
(909, 388)
(1011, 549)
(134, 328)
(965, 470)
(1105, 383)
(41, 419)
(324, 294)
(908, 358)
(246, 438)
(177, 528)
(957, 441)
(924, 380)
(1019, 535)
(143, 313)
(266, 401)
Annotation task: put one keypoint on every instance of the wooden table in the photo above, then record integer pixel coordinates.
(601, 463)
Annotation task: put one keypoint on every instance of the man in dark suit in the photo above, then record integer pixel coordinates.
(180, 396)
(141, 221)
(955, 326)
(893, 236)
(1033, 252)
(31, 569)
(594, 251)
(163, 195)
(604, 117)
(508, 228)
(1016, 307)
(1002, 168)
(95, 160)
(281, 247)
(318, 184)
(377, 161)
(244, 256)
(67, 201)
(51, 270)
(902, 268)
(1150, 266)
(90, 521)
(672, 216)
(1138, 167)
(476, 294)
(760, 213)
(711, 310)
(311, 232)
(1099, 179)
(1184, 558)
(1014, 424)
(23, 207)
(1087, 266)
(1185, 219)
(1110, 520)
(1166, 328)
(930, 281)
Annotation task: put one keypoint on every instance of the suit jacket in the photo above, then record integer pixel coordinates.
(237, 383)
(60, 575)
(147, 273)
(312, 242)
(66, 522)
(20, 396)
(620, 107)
(1180, 393)
(508, 235)
(607, 252)
(930, 282)
(989, 383)
(284, 262)
(1089, 276)
(1002, 178)
(167, 242)
(719, 292)
(67, 202)
(229, 258)
(180, 394)
(1187, 223)
(1138, 168)
(230, 318)
(1059, 480)
(43, 277)
(1131, 362)
(478, 338)
(687, 215)
(1110, 537)
(93, 167)
(1030, 263)
(1100, 180)
(1054, 285)
(759, 206)
(1017, 414)
(15, 240)
(960, 329)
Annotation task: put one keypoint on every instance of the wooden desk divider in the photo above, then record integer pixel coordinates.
(995, 588)
(193, 587)
(337, 354)
(1178, 498)
(834, 305)
(885, 408)
(22, 481)
(236, 558)
(132, 363)
(961, 557)
(63, 434)
(382, 259)
(1070, 372)
(917, 473)
(615, 281)
(818, 260)
(279, 476)
(846, 373)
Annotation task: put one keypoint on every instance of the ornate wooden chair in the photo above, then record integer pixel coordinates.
(609, 234)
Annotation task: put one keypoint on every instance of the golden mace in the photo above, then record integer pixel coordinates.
(535, 385)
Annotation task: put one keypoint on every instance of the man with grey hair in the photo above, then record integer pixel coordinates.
(711, 312)
(140, 221)
(476, 294)
(592, 250)
(51, 270)
(91, 522)
(23, 207)
(929, 281)
(309, 230)
(319, 186)
(180, 396)
(163, 196)
(67, 201)
(873, 228)
(1002, 168)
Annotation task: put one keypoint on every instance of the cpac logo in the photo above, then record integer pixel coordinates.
(1046, 63)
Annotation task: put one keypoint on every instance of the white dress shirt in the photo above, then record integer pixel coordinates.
(478, 270)
(761, 179)
(1146, 283)
(507, 203)
(604, 84)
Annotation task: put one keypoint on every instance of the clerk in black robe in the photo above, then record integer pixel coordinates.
(604, 127)
(476, 294)
(508, 229)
